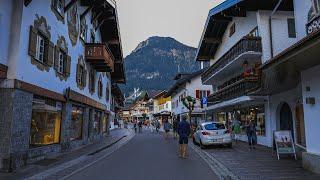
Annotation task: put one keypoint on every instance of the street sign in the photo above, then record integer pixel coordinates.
(204, 100)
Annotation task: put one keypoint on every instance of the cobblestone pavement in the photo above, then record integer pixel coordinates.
(240, 162)
(148, 157)
(57, 167)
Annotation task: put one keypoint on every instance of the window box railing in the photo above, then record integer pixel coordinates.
(246, 44)
(99, 56)
(239, 87)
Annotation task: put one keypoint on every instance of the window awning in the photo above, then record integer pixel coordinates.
(237, 101)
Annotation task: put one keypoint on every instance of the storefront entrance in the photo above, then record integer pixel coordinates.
(286, 121)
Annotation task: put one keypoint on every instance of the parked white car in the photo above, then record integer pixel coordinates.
(212, 133)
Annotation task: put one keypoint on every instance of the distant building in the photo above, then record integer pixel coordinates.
(189, 84)
(58, 61)
(162, 107)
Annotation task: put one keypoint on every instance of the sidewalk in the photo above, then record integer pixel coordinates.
(64, 158)
(256, 164)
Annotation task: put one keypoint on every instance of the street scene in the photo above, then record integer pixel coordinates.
(159, 89)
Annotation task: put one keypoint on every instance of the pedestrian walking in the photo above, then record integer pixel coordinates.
(166, 127)
(236, 129)
(175, 128)
(184, 132)
(135, 126)
(140, 126)
(251, 133)
(157, 126)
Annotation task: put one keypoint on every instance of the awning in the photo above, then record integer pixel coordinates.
(237, 101)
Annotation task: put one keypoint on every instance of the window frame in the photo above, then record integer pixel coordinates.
(61, 64)
(38, 48)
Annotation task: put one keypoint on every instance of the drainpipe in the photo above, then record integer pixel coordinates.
(270, 27)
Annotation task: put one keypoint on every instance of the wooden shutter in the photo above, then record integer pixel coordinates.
(78, 74)
(84, 78)
(56, 58)
(33, 41)
(50, 54)
(198, 94)
(67, 66)
(208, 93)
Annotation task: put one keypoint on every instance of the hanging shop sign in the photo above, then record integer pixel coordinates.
(284, 143)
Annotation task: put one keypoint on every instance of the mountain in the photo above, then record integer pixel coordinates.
(154, 63)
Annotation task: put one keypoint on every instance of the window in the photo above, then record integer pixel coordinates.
(214, 126)
(60, 6)
(45, 122)
(61, 62)
(105, 124)
(291, 28)
(254, 32)
(202, 93)
(107, 92)
(100, 88)
(92, 81)
(81, 77)
(93, 38)
(40, 48)
(76, 123)
(96, 122)
(232, 29)
(83, 30)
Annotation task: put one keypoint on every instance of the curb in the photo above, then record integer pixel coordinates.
(218, 168)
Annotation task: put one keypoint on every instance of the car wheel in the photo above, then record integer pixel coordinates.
(229, 145)
(202, 146)
(194, 141)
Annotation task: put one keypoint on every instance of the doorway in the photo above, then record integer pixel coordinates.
(286, 121)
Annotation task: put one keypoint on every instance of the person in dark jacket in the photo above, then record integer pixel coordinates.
(184, 132)
(251, 133)
(175, 128)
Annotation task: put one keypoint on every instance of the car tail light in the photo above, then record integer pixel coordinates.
(227, 131)
(205, 133)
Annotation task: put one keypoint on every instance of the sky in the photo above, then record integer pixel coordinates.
(181, 19)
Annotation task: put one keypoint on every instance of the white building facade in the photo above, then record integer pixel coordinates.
(263, 68)
(189, 85)
(58, 61)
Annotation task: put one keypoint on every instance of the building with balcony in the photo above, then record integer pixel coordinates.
(189, 84)
(58, 62)
(274, 82)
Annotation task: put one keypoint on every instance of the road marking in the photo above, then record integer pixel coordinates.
(218, 168)
(53, 171)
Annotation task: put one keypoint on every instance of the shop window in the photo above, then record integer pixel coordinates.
(232, 29)
(105, 124)
(96, 122)
(291, 28)
(45, 122)
(76, 123)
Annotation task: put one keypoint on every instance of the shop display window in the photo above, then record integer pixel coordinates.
(96, 122)
(76, 123)
(45, 122)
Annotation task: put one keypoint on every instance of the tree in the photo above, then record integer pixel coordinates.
(189, 103)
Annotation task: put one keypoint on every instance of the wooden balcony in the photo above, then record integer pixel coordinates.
(100, 57)
(248, 48)
(235, 88)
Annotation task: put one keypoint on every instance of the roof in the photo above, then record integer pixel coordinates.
(220, 16)
(153, 93)
(183, 81)
(162, 93)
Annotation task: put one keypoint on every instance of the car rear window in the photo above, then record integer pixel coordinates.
(214, 126)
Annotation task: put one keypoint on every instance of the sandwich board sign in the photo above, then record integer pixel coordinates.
(284, 143)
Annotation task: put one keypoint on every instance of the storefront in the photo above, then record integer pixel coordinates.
(45, 122)
(76, 123)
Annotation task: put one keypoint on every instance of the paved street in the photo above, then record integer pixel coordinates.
(148, 156)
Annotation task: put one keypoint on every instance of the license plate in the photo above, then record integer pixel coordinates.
(217, 140)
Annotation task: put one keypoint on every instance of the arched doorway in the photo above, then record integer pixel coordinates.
(286, 121)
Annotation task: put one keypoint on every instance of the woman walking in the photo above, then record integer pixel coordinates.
(251, 133)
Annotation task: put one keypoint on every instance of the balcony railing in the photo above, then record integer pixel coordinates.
(245, 45)
(238, 88)
(99, 56)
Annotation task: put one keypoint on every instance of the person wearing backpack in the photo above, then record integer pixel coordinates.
(184, 132)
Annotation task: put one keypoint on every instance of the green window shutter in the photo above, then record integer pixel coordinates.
(50, 54)
(56, 58)
(33, 41)
(67, 66)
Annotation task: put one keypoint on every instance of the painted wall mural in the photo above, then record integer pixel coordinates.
(73, 24)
